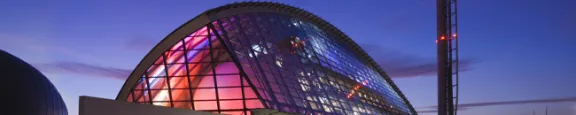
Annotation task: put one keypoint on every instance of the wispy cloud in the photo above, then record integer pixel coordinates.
(400, 65)
(45, 55)
(395, 63)
(468, 106)
(481, 104)
(85, 69)
(41, 47)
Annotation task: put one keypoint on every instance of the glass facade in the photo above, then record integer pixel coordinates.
(266, 60)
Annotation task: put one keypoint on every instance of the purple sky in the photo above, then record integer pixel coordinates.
(517, 49)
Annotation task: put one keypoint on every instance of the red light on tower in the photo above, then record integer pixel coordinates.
(442, 38)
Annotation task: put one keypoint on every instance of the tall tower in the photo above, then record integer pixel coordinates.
(447, 29)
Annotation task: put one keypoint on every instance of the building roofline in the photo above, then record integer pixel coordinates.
(247, 7)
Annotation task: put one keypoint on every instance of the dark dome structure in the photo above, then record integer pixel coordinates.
(26, 90)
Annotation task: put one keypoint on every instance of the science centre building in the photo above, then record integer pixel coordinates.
(247, 56)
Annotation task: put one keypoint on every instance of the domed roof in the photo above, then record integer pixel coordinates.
(25, 91)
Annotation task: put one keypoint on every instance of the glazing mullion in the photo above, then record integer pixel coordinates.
(241, 44)
(299, 28)
(167, 79)
(283, 23)
(289, 31)
(262, 37)
(186, 61)
(258, 66)
(148, 88)
(244, 107)
(213, 66)
(133, 97)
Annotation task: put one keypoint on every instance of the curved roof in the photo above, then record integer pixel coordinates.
(26, 90)
(240, 8)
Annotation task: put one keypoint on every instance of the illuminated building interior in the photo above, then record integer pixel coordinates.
(272, 60)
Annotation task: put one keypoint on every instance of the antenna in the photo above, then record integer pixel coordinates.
(446, 39)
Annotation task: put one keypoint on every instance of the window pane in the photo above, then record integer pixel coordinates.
(204, 94)
(202, 81)
(160, 95)
(230, 93)
(233, 104)
(228, 80)
(198, 56)
(156, 71)
(157, 83)
(205, 105)
(179, 82)
(180, 94)
(176, 70)
(174, 57)
(183, 105)
(254, 103)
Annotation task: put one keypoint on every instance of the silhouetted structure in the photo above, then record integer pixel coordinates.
(250, 55)
(26, 90)
(448, 62)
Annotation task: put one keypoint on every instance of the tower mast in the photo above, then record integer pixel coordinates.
(447, 48)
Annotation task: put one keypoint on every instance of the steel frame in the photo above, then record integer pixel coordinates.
(291, 11)
(448, 70)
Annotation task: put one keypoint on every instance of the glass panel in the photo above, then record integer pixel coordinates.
(226, 68)
(230, 93)
(199, 69)
(197, 42)
(204, 94)
(138, 94)
(130, 99)
(202, 81)
(174, 57)
(205, 105)
(179, 82)
(141, 84)
(178, 46)
(156, 71)
(180, 94)
(198, 56)
(249, 93)
(160, 95)
(254, 103)
(176, 70)
(228, 80)
(183, 105)
(144, 98)
(233, 104)
(158, 83)
(159, 61)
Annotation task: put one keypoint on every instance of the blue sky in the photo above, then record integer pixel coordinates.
(522, 48)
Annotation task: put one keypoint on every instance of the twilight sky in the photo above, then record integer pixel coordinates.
(515, 50)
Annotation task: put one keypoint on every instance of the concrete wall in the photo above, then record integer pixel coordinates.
(100, 106)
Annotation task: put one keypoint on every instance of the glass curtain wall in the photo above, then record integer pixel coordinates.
(266, 60)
